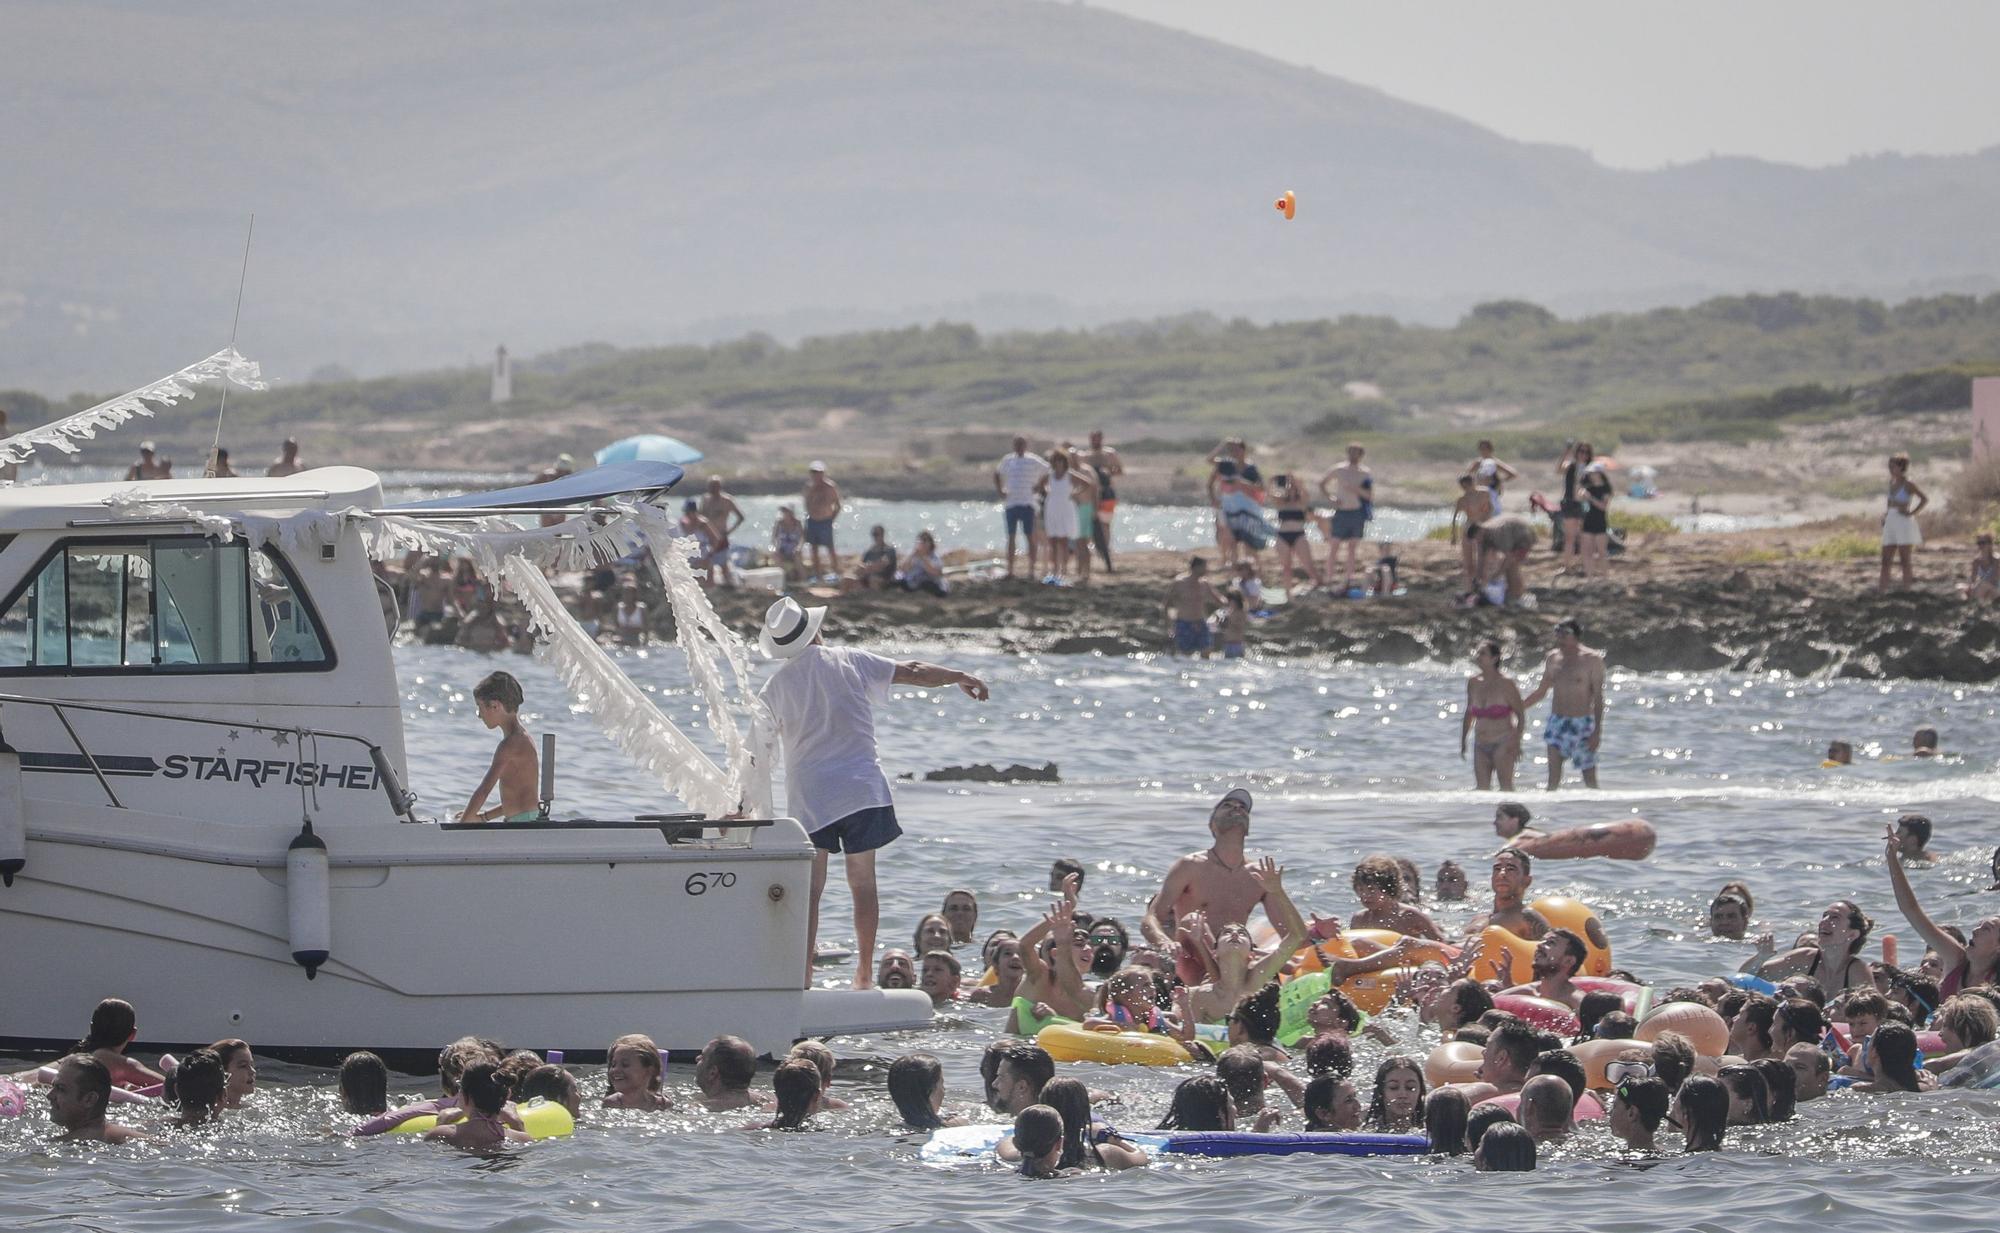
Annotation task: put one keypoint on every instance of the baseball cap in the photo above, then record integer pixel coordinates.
(817, 465)
(1240, 795)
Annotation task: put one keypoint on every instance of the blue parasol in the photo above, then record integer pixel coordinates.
(649, 447)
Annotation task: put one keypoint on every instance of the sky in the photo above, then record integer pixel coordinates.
(1642, 84)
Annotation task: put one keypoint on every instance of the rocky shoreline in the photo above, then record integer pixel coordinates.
(1690, 603)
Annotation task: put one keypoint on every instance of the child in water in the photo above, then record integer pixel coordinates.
(1235, 625)
(515, 770)
(485, 1093)
(633, 1070)
(1131, 1004)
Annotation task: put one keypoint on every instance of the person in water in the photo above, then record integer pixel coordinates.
(1558, 957)
(1574, 674)
(78, 1099)
(1378, 883)
(916, 1085)
(823, 700)
(1962, 965)
(1912, 833)
(1512, 875)
(1217, 882)
(800, 1094)
(1190, 598)
(634, 1071)
(1494, 719)
(485, 1094)
(1638, 1106)
(724, 1071)
(114, 1025)
(1835, 964)
(364, 1084)
(1729, 912)
(1451, 882)
(515, 770)
(961, 909)
(1510, 822)
(195, 1089)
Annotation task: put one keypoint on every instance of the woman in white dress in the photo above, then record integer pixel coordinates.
(1899, 522)
(1058, 514)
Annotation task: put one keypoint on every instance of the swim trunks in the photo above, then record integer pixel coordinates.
(1569, 737)
(1349, 523)
(1232, 650)
(1021, 516)
(528, 815)
(1192, 636)
(864, 831)
(819, 531)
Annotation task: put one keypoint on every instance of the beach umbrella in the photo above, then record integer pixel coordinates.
(649, 447)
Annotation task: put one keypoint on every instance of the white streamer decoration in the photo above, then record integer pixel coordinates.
(627, 714)
(579, 542)
(63, 434)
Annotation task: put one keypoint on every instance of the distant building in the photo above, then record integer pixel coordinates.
(503, 376)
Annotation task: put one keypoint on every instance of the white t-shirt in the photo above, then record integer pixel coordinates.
(1018, 474)
(824, 704)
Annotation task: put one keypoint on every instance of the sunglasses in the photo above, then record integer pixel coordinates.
(1618, 1074)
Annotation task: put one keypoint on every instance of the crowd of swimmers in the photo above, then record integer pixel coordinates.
(1803, 1020)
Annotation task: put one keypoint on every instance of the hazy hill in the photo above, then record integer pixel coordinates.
(430, 179)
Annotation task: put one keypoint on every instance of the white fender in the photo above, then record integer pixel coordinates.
(308, 892)
(13, 818)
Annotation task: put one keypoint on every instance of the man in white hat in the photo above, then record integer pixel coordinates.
(822, 502)
(149, 465)
(823, 699)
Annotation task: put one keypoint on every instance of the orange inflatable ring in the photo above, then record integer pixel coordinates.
(1630, 840)
(1704, 1028)
(1565, 913)
(1454, 1061)
(1597, 1054)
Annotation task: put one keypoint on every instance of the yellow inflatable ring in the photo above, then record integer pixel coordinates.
(1565, 913)
(1068, 1042)
(542, 1119)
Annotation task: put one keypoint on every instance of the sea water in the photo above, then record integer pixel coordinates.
(1344, 760)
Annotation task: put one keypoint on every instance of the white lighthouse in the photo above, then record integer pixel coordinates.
(503, 376)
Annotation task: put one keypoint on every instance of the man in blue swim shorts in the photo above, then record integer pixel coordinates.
(1190, 599)
(1574, 674)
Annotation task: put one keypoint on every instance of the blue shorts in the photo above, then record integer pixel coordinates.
(819, 531)
(1232, 650)
(1022, 516)
(1350, 523)
(859, 832)
(1568, 736)
(1192, 636)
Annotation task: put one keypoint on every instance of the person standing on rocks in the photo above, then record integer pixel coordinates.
(725, 516)
(1351, 488)
(1015, 479)
(1504, 543)
(1574, 674)
(1109, 468)
(1899, 523)
(823, 699)
(822, 502)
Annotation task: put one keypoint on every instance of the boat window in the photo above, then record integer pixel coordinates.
(185, 604)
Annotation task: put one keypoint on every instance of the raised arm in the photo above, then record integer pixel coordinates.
(1950, 952)
(932, 676)
(1285, 915)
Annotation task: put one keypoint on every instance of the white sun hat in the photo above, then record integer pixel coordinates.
(789, 629)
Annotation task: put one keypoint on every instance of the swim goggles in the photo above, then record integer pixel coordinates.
(1616, 1073)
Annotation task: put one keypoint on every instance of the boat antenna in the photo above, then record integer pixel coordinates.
(215, 449)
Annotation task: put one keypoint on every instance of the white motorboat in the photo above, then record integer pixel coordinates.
(202, 811)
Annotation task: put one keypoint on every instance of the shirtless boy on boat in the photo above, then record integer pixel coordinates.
(516, 771)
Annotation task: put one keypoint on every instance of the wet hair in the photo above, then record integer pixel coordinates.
(1446, 1110)
(1592, 1009)
(734, 1062)
(1892, 1053)
(499, 687)
(1065, 867)
(1450, 866)
(516, 1065)
(1527, 863)
(94, 1078)
(1857, 920)
(1731, 1004)
(548, 1082)
(485, 1088)
(1705, 1103)
(917, 944)
(111, 1026)
(797, 1085)
(1377, 1116)
(1258, 1013)
(1616, 1025)
(1199, 1103)
(1319, 1094)
(1350, 1014)
(945, 957)
(455, 1057)
(1473, 1034)
(1917, 823)
(1760, 1010)
(1485, 1114)
(1573, 942)
(1071, 1101)
(1807, 989)
(1413, 880)
(1739, 891)
(1673, 1059)
(1649, 1099)
(1971, 1019)
(1572, 625)
(989, 1065)
(1919, 989)
(195, 1087)
(649, 1056)
(1683, 993)
(1031, 1062)
(1379, 872)
(364, 1083)
(912, 1079)
(1512, 809)
(1519, 1042)
(1037, 1130)
(1241, 1070)
(1329, 1055)
(1506, 1147)
(228, 1048)
(1744, 1081)
(1805, 1021)
(1563, 1065)
(1781, 1085)
(1472, 999)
